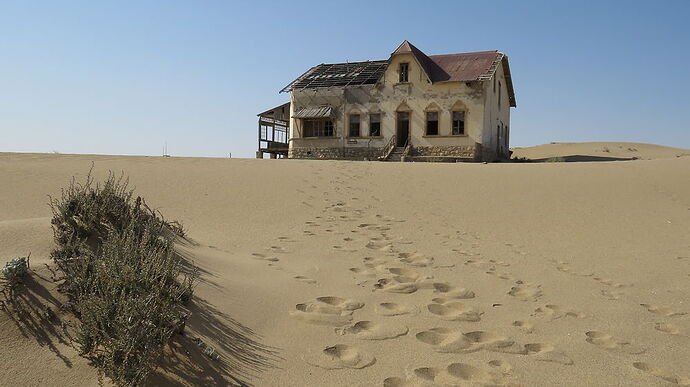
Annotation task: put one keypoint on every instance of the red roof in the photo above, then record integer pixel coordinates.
(465, 67)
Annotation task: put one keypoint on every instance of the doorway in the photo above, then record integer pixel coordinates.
(403, 128)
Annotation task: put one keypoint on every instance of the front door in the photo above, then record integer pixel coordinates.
(403, 128)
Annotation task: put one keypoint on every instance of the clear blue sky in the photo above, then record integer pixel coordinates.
(122, 77)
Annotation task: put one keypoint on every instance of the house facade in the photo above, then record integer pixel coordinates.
(410, 107)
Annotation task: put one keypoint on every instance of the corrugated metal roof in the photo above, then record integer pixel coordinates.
(339, 74)
(464, 67)
(315, 112)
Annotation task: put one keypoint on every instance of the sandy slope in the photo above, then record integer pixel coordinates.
(360, 272)
(599, 151)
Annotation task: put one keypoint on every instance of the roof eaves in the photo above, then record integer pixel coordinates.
(509, 81)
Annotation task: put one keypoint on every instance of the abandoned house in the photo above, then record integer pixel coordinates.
(410, 107)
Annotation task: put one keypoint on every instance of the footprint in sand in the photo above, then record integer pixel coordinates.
(526, 326)
(304, 279)
(555, 312)
(453, 310)
(369, 330)
(415, 259)
(449, 291)
(395, 309)
(342, 249)
(404, 281)
(662, 311)
(503, 276)
(276, 249)
(263, 257)
(449, 340)
(546, 352)
(609, 282)
(611, 294)
(382, 246)
(328, 310)
(526, 291)
(371, 267)
(454, 374)
(606, 341)
(564, 267)
(667, 328)
(339, 356)
(662, 373)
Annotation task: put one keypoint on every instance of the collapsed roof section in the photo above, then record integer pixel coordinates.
(464, 67)
(339, 75)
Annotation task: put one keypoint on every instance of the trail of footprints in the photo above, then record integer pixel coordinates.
(394, 274)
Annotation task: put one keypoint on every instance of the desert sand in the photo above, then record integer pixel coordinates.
(335, 273)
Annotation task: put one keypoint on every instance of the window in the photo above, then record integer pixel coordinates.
(458, 123)
(404, 70)
(494, 83)
(499, 95)
(375, 124)
(354, 126)
(432, 123)
(318, 128)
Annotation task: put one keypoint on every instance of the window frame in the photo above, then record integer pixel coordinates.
(371, 122)
(406, 72)
(452, 122)
(426, 128)
(350, 123)
(320, 128)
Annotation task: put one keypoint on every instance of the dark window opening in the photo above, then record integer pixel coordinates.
(432, 123)
(404, 70)
(375, 125)
(354, 126)
(499, 95)
(458, 123)
(318, 128)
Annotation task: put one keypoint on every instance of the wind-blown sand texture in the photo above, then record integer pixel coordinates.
(333, 273)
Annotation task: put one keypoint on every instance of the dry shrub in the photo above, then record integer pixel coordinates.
(122, 275)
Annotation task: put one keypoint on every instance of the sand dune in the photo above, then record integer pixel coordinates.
(332, 273)
(599, 151)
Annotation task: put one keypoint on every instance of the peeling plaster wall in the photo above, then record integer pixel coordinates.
(417, 97)
(496, 146)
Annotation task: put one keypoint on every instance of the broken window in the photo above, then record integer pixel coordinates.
(404, 69)
(354, 125)
(375, 125)
(318, 128)
(432, 123)
(458, 123)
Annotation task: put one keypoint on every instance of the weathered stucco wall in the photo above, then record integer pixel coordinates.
(496, 117)
(417, 97)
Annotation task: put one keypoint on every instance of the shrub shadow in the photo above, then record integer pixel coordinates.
(242, 355)
(32, 308)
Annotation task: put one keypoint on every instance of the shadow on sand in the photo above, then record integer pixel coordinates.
(575, 159)
(32, 308)
(242, 355)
